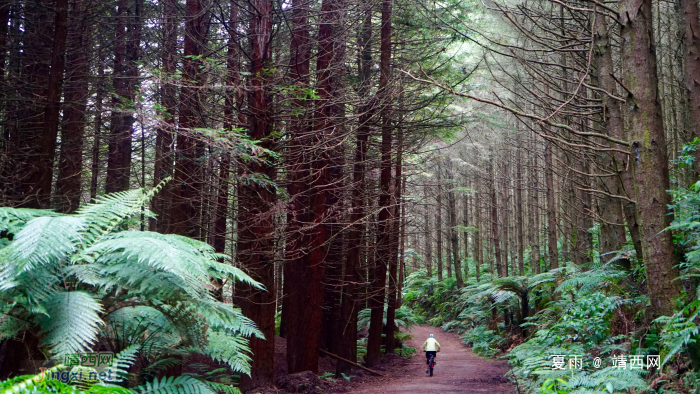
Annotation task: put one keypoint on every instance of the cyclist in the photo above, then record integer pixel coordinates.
(430, 347)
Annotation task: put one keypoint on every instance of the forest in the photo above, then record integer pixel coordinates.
(276, 196)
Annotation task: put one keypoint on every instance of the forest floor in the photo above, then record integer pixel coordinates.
(458, 371)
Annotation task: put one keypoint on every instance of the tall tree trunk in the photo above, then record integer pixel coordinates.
(495, 237)
(478, 247)
(428, 236)
(551, 208)
(163, 166)
(255, 216)
(648, 149)
(99, 97)
(454, 238)
(43, 177)
(69, 183)
(505, 207)
(121, 123)
(28, 76)
(438, 224)
(297, 188)
(385, 197)
(519, 208)
(691, 41)
(534, 216)
(612, 234)
(393, 264)
(186, 204)
(465, 233)
(232, 101)
(348, 325)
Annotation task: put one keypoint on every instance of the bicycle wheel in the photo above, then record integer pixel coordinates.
(431, 370)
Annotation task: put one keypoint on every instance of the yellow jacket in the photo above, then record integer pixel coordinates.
(431, 345)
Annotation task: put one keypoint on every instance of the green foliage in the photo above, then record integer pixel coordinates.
(77, 279)
(406, 351)
(327, 376)
(678, 331)
(483, 341)
(404, 318)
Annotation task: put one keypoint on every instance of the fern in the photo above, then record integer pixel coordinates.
(75, 278)
(72, 322)
(176, 385)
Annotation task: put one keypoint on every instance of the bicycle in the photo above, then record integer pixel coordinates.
(431, 364)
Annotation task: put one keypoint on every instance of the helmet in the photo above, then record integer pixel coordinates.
(432, 336)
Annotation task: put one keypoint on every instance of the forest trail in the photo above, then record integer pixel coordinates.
(458, 370)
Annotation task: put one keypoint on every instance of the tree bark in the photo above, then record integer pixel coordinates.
(428, 234)
(163, 166)
(121, 123)
(255, 216)
(648, 149)
(534, 217)
(69, 185)
(454, 238)
(495, 236)
(551, 208)
(385, 196)
(478, 247)
(691, 42)
(519, 209)
(438, 224)
(43, 177)
(348, 325)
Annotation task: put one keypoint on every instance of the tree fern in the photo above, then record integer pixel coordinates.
(72, 322)
(73, 278)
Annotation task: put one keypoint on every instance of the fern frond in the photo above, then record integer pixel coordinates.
(72, 324)
(175, 385)
(13, 219)
(110, 211)
(230, 349)
(130, 254)
(42, 242)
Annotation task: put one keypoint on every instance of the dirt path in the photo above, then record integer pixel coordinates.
(458, 370)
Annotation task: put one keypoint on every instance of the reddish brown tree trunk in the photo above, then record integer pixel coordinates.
(29, 78)
(186, 205)
(296, 258)
(347, 330)
(392, 300)
(384, 223)
(164, 134)
(255, 216)
(69, 185)
(99, 97)
(121, 124)
(43, 177)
